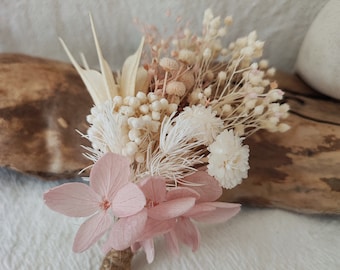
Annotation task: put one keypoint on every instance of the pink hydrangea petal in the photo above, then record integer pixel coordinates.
(91, 230)
(171, 209)
(126, 231)
(199, 209)
(135, 246)
(181, 192)
(73, 199)
(155, 228)
(109, 174)
(222, 213)
(209, 188)
(149, 249)
(187, 233)
(154, 188)
(128, 201)
(172, 243)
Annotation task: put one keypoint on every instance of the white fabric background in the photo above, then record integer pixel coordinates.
(33, 26)
(33, 237)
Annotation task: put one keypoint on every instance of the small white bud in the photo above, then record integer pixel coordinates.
(283, 127)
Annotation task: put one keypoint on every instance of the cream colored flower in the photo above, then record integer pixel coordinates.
(203, 121)
(228, 159)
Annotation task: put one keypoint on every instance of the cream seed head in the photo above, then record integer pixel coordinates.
(175, 88)
(172, 108)
(134, 134)
(155, 116)
(228, 20)
(164, 102)
(169, 64)
(134, 102)
(207, 91)
(258, 110)
(131, 148)
(224, 52)
(126, 110)
(144, 109)
(250, 104)
(187, 32)
(188, 79)
(207, 53)
(208, 16)
(152, 97)
(209, 75)
(227, 108)
(187, 56)
(263, 64)
(283, 127)
(247, 51)
(222, 76)
(271, 72)
(139, 157)
(141, 96)
(156, 106)
(136, 123)
(222, 32)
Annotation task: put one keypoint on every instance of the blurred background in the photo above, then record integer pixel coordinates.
(33, 27)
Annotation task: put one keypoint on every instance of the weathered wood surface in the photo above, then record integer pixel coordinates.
(298, 170)
(43, 102)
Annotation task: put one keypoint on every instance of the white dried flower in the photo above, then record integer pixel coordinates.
(204, 123)
(228, 159)
(108, 130)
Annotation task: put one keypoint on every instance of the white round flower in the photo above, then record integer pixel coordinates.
(228, 159)
(203, 121)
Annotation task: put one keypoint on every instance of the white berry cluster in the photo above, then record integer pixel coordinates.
(127, 125)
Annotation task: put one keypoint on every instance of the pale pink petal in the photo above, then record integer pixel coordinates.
(135, 246)
(149, 249)
(155, 228)
(91, 230)
(171, 209)
(181, 192)
(154, 188)
(209, 188)
(127, 230)
(187, 233)
(109, 174)
(128, 201)
(172, 243)
(199, 209)
(222, 213)
(73, 199)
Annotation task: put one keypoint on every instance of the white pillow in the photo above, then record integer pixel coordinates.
(318, 61)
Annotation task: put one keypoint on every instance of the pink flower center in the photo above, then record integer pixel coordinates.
(105, 204)
(150, 203)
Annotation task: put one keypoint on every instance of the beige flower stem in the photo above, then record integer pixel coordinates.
(117, 260)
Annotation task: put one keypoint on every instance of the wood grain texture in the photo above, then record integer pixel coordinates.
(300, 169)
(43, 102)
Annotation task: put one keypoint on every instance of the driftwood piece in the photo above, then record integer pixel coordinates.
(42, 102)
(298, 170)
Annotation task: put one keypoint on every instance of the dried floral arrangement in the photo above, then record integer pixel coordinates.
(167, 135)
